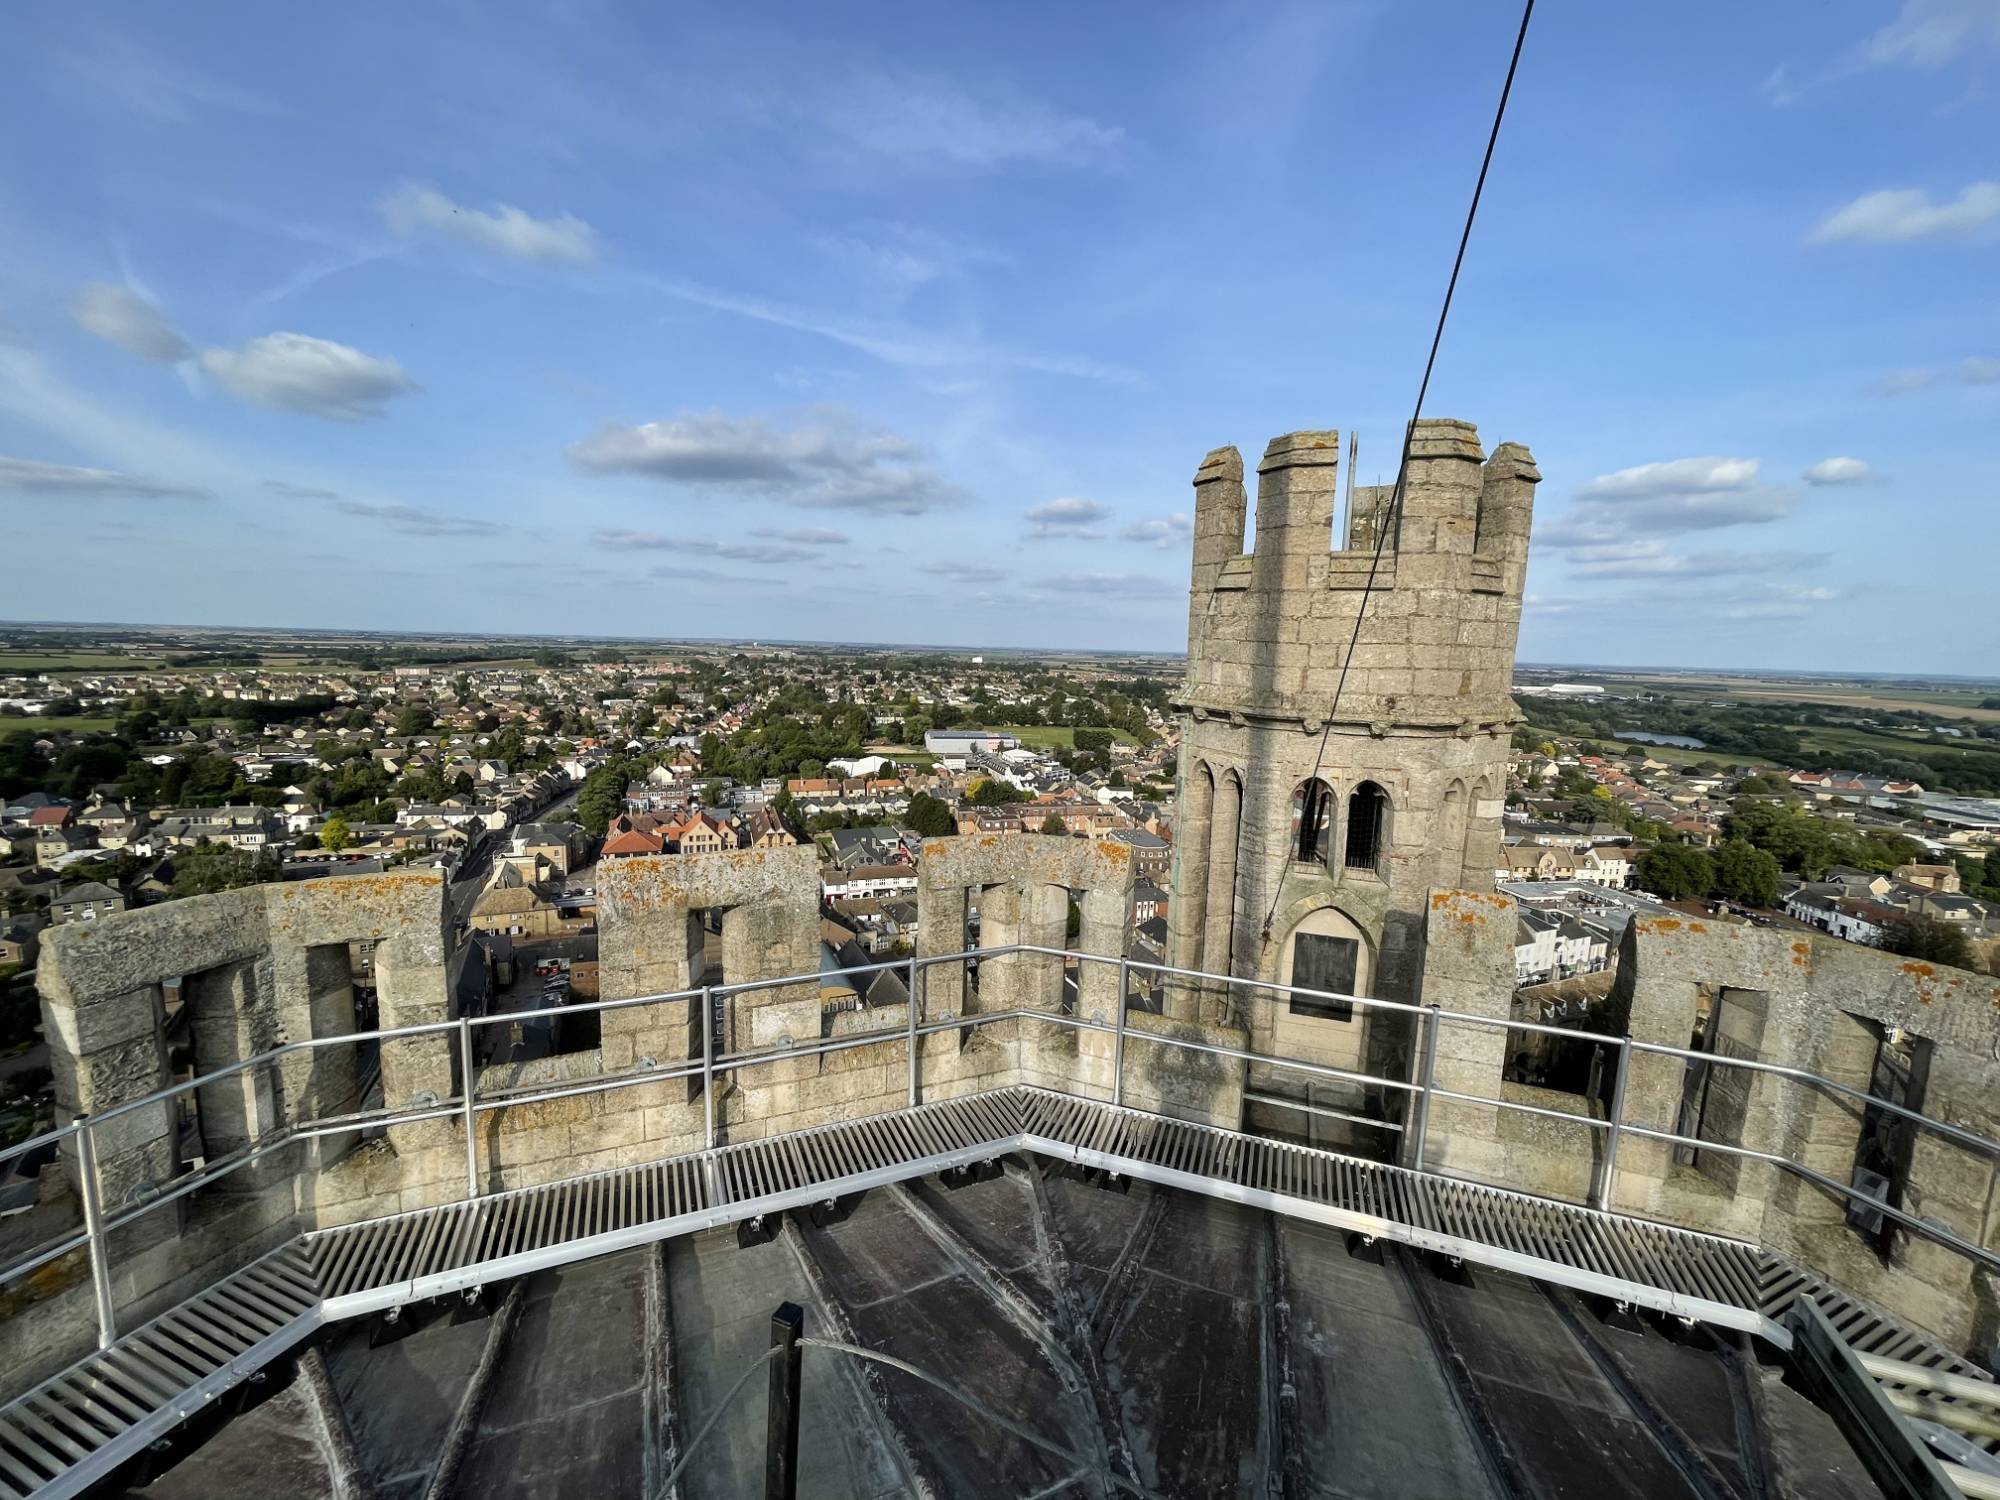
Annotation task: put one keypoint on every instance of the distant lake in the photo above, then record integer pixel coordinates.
(1682, 741)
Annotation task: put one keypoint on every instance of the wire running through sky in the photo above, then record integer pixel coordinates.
(1391, 514)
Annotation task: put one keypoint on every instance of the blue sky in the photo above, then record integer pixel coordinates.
(912, 322)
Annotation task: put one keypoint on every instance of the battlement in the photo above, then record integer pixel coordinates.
(1268, 626)
(1456, 503)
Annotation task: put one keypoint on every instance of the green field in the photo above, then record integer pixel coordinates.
(41, 726)
(25, 661)
(1052, 736)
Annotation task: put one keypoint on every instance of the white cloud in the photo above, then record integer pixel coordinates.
(1668, 498)
(770, 553)
(1974, 369)
(1678, 476)
(1900, 215)
(926, 121)
(1649, 557)
(1930, 33)
(1830, 471)
(509, 231)
(1167, 531)
(304, 374)
(130, 321)
(32, 477)
(967, 572)
(1137, 586)
(805, 536)
(824, 459)
(1067, 517)
(411, 521)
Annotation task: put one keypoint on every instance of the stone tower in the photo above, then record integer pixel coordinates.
(1409, 786)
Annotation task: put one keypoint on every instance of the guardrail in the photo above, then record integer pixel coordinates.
(101, 1221)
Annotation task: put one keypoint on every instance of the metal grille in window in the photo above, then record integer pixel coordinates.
(1367, 809)
(1325, 963)
(1312, 821)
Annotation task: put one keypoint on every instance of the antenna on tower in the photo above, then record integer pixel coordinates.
(1347, 506)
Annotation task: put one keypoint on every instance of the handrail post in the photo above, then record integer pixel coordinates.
(1606, 1175)
(708, 1065)
(1421, 1125)
(781, 1405)
(87, 1188)
(1118, 1036)
(911, 1032)
(470, 1083)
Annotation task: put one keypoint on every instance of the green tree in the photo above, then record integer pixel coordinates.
(416, 719)
(1053, 823)
(915, 727)
(334, 834)
(1676, 872)
(602, 797)
(1928, 939)
(930, 817)
(1745, 873)
(993, 792)
(208, 868)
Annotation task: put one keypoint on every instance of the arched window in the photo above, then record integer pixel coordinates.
(1367, 826)
(1312, 821)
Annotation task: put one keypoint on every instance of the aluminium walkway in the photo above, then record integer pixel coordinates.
(76, 1427)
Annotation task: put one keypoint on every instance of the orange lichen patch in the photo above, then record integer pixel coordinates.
(1114, 851)
(1659, 924)
(1696, 927)
(1440, 900)
(1919, 970)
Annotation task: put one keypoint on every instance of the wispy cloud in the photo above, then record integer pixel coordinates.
(1130, 586)
(296, 372)
(132, 322)
(1896, 216)
(905, 254)
(1163, 532)
(117, 68)
(1649, 557)
(1931, 33)
(1069, 517)
(825, 459)
(29, 476)
(1925, 34)
(411, 521)
(806, 536)
(416, 207)
(286, 491)
(967, 572)
(893, 343)
(1974, 369)
(926, 122)
(772, 554)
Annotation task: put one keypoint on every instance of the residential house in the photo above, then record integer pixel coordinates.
(1151, 855)
(702, 833)
(766, 830)
(560, 844)
(1940, 878)
(84, 902)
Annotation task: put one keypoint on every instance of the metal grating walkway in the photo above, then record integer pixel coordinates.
(76, 1427)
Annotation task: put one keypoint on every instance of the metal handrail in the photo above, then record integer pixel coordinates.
(470, 1101)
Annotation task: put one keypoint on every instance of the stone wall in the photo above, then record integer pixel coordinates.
(268, 966)
(1804, 1001)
